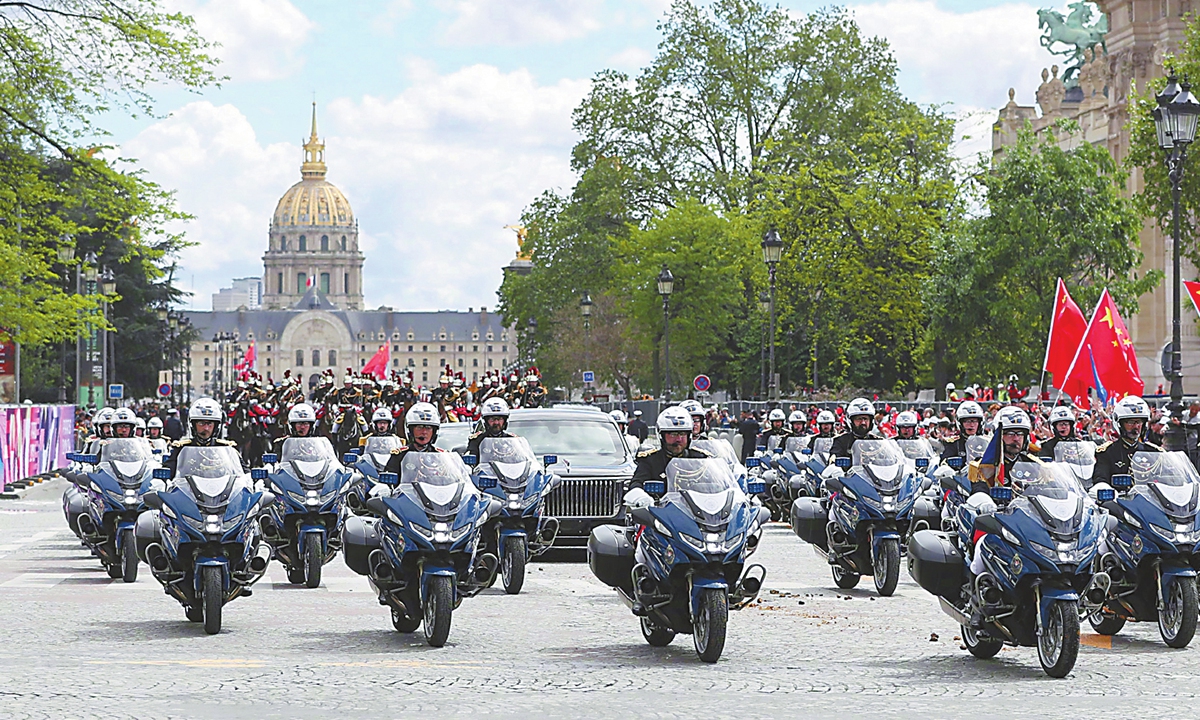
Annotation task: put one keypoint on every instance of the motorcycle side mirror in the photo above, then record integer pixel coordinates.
(806, 451)
(495, 507)
(161, 473)
(470, 460)
(270, 458)
(1122, 482)
(926, 484)
(549, 460)
(754, 488)
(642, 516)
(922, 463)
(833, 484)
(842, 462)
(654, 487)
(389, 478)
(349, 458)
(258, 474)
(955, 463)
(485, 482)
(948, 484)
(268, 499)
(377, 506)
(988, 524)
(752, 462)
(153, 500)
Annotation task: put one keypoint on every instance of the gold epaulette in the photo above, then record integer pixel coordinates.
(1103, 447)
(646, 453)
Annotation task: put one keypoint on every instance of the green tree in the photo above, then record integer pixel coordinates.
(1049, 213)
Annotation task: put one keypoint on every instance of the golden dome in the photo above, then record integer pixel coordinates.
(313, 200)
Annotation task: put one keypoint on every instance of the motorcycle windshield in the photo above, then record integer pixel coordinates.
(772, 443)
(976, 446)
(1050, 493)
(310, 458)
(378, 450)
(210, 474)
(1166, 478)
(127, 458)
(438, 479)
(794, 445)
(822, 446)
(510, 458)
(718, 448)
(1080, 457)
(705, 486)
(882, 459)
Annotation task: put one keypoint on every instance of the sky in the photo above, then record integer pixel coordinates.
(443, 119)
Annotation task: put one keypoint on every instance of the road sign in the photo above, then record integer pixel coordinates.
(702, 383)
(589, 376)
(164, 390)
(116, 391)
(164, 377)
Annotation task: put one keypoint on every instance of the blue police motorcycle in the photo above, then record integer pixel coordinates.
(369, 465)
(1037, 551)
(421, 552)
(203, 542)
(1153, 548)
(861, 526)
(685, 567)
(508, 471)
(105, 500)
(304, 527)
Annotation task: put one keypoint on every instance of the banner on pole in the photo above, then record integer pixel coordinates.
(34, 439)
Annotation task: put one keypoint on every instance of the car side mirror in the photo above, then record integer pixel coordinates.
(1122, 482)
(842, 462)
(485, 482)
(470, 460)
(955, 462)
(642, 516)
(922, 463)
(550, 460)
(654, 487)
(270, 458)
(153, 500)
(258, 474)
(389, 478)
(161, 473)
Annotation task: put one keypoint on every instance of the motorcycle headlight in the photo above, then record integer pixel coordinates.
(659, 527)
(1047, 552)
(873, 503)
(693, 541)
(1165, 533)
(213, 524)
(1012, 539)
(297, 496)
(456, 535)
(732, 542)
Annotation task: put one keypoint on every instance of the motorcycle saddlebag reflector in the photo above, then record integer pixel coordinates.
(924, 509)
(809, 520)
(360, 536)
(610, 556)
(936, 564)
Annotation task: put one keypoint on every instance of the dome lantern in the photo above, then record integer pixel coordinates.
(314, 153)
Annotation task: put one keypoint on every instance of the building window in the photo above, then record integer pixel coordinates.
(395, 362)
(346, 283)
(362, 348)
(424, 362)
(409, 337)
(283, 242)
(395, 348)
(424, 348)
(301, 282)
(325, 283)
(489, 336)
(443, 349)
(442, 336)
(474, 348)
(205, 376)
(333, 358)
(303, 243)
(299, 358)
(410, 348)
(268, 348)
(324, 243)
(441, 363)
(489, 348)
(268, 362)
(424, 377)
(503, 348)
(474, 376)
(279, 282)
(412, 362)
(362, 362)
(343, 243)
(489, 362)
(205, 348)
(475, 362)
(205, 362)
(316, 358)
(460, 362)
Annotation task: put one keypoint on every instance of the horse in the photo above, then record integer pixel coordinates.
(1062, 31)
(349, 431)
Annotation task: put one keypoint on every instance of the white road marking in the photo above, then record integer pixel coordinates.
(37, 580)
(9, 548)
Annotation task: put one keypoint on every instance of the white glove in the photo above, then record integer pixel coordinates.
(981, 503)
(832, 471)
(1098, 487)
(157, 485)
(944, 471)
(380, 490)
(638, 498)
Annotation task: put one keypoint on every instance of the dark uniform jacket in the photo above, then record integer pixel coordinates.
(981, 485)
(398, 454)
(172, 462)
(1112, 458)
(844, 443)
(652, 465)
(476, 439)
(955, 448)
(1047, 447)
(639, 429)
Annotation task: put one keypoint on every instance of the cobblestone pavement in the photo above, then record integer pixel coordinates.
(74, 643)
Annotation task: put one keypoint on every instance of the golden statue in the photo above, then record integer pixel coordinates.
(522, 237)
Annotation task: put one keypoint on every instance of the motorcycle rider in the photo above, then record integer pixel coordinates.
(621, 420)
(139, 427)
(696, 410)
(775, 421)
(154, 428)
(421, 424)
(1132, 415)
(204, 419)
(906, 425)
(381, 425)
(861, 414)
(798, 423)
(1062, 422)
(825, 424)
(970, 422)
(494, 415)
(123, 423)
(103, 423)
(675, 433)
(301, 420)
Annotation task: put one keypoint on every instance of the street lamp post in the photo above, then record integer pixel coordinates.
(666, 285)
(772, 250)
(66, 256)
(530, 332)
(764, 307)
(90, 276)
(585, 308)
(1175, 121)
(108, 288)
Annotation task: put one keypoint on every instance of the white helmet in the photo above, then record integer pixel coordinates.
(302, 412)
(124, 416)
(1011, 418)
(422, 413)
(139, 424)
(692, 407)
(494, 407)
(155, 422)
(104, 417)
(908, 418)
(949, 386)
(204, 409)
(1131, 407)
(796, 417)
(826, 416)
(1062, 413)
(969, 409)
(859, 407)
(618, 417)
(381, 414)
(674, 419)
(776, 414)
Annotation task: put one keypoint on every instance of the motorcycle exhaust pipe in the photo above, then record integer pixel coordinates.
(268, 526)
(378, 567)
(549, 530)
(486, 568)
(1095, 596)
(837, 535)
(353, 501)
(258, 564)
(750, 586)
(86, 525)
(156, 558)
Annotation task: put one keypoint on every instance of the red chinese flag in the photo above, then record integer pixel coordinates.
(378, 363)
(1105, 359)
(1193, 289)
(1067, 326)
(251, 359)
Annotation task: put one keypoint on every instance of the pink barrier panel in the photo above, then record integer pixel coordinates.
(34, 439)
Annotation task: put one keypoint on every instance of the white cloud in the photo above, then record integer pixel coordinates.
(520, 22)
(631, 59)
(433, 174)
(260, 39)
(970, 58)
(227, 179)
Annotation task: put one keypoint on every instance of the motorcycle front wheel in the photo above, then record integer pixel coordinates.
(129, 558)
(439, 605)
(1177, 619)
(708, 627)
(212, 584)
(1058, 645)
(512, 569)
(887, 567)
(314, 558)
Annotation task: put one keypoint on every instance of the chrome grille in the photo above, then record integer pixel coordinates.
(585, 497)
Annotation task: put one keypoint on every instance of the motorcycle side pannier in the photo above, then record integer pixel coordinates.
(809, 520)
(936, 564)
(610, 556)
(925, 509)
(360, 535)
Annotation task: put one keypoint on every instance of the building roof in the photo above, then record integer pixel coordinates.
(366, 325)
